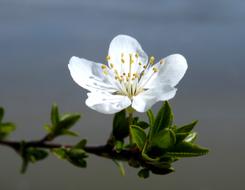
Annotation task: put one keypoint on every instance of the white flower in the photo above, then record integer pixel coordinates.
(129, 78)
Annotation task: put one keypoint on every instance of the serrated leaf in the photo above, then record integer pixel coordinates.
(151, 117)
(144, 173)
(145, 155)
(186, 149)
(120, 125)
(138, 136)
(68, 120)
(55, 115)
(164, 139)
(186, 128)
(163, 120)
(181, 136)
(1, 114)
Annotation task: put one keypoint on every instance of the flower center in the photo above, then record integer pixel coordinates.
(131, 75)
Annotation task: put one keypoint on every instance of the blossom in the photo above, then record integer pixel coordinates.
(129, 78)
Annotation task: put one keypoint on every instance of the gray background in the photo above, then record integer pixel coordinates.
(37, 38)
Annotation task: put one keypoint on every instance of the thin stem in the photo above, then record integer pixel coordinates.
(130, 121)
(103, 151)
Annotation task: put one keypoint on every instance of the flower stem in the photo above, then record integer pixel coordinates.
(130, 111)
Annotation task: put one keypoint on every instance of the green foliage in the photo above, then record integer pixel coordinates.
(138, 136)
(152, 147)
(5, 127)
(60, 125)
(144, 173)
(74, 155)
(187, 149)
(163, 120)
(120, 125)
(31, 154)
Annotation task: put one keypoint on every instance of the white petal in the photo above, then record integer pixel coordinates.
(89, 75)
(107, 103)
(148, 98)
(126, 45)
(170, 72)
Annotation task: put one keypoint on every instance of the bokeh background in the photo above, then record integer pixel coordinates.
(37, 38)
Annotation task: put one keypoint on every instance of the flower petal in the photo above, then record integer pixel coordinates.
(89, 75)
(120, 49)
(148, 98)
(170, 71)
(107, 103)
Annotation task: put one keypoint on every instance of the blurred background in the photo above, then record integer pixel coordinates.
(37, 39)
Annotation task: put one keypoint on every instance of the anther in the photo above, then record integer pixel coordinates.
(108, 57)
(103, 66)
(154, 69)
(152, 59)
(111, 65)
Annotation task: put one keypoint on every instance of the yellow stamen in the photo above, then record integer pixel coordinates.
(136, 55)
(108, 57)
(155, 69)
(105, 72)
(131, 58)
(111, 65)
(103, 66)
(152, 59)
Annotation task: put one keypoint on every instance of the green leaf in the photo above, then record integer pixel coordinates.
(138, 136)
(186, 128)
(81, 144)
(6, 129)
(68, 120)
(186, 149)
(60, 153)
(143, 124)
(144, 173)
(31, 155)
(55, 115)
(76, 157)
(181, 136)
(120, 167)
(145, 155)
(35, 154)
(120, 125)
(151, 117)
(1, 114)
(164, 139)
(163, 120)
(69, 133)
